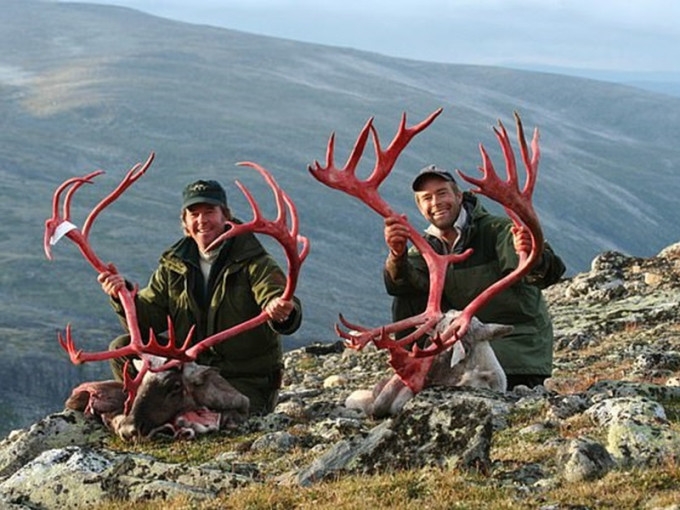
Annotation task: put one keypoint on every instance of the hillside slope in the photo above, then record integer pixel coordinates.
(84, 87)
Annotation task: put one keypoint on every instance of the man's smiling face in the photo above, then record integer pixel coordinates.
(204, 223)
(438, 202)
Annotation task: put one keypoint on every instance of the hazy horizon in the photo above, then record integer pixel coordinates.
(605, 36)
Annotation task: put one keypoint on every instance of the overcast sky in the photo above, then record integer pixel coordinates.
(611, 35)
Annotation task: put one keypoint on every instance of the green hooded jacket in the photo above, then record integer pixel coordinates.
(529, 348)
(243, 279)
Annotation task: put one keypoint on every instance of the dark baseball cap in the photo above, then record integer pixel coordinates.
(204, 192)
(431, 171)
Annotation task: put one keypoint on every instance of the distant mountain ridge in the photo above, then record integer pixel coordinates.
(655, 81)
(91, 86)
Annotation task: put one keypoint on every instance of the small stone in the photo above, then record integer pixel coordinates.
(335, 381)
(673, 381)
(653, 279)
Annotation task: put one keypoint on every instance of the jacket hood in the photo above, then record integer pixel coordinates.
(473, 205)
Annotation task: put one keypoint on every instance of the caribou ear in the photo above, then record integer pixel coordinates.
(154, 362)
(494, 330)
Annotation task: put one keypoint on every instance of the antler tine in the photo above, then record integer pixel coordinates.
(288, 238)
(356, 342)
(401, 139)
(130, 384)
(436, 346)
(336, 178)
(297, 257)
(358, 149)
(356, 337)
(350, 325)
(529, 162)
(68, 345)
(507, 193)
(171, 335)
(136, 347)
(258, 223)
(508, 154)
(74, 183)
(294, 230)
(56, 197)
(77, 356)
(282, 200)
(257, 213)
(345, 179)
(294, 220)
(52, 223)
(367, 190)
(133, 174)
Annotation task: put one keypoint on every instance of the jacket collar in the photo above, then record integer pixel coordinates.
(184, 253)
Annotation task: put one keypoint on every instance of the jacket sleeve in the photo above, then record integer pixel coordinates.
(548, 270)
(406, 276)
(267, 281)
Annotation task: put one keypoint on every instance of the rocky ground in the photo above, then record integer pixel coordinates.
(613, 404)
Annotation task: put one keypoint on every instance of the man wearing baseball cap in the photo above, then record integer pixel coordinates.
(213, 291)
(458, 221)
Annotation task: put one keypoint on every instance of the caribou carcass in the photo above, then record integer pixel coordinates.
(169, 392)
(469, 362)
(182, 401)
(449, 349)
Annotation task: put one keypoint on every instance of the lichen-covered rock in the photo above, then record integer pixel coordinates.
(68, 477)
(454, 432)
(55, 431)
(584, 459)
(443, 427)
(564, 406)
(275, 441)
(671, 252)
(610, 389)
(638, 433)
(343, 456)
(80, 477)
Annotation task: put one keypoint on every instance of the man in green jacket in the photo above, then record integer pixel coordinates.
(458, 222)
(215, 290)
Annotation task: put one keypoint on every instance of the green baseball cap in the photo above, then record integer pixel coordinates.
(204, 192)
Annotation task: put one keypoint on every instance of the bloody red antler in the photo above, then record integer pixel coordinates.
(345, 179)
(58, 226)
(519, 206)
